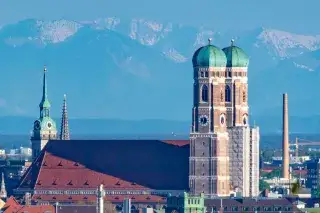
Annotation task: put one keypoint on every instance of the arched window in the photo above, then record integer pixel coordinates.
(228, 94)
(204, 93)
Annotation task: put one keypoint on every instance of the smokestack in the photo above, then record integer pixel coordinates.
(285, 139)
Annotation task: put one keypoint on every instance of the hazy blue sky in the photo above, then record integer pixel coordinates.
(299, 16)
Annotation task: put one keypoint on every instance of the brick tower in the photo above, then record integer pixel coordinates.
(209, 151)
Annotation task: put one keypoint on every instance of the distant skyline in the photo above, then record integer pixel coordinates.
(294, 16)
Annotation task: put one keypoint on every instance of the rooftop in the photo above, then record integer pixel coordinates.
(117, 164)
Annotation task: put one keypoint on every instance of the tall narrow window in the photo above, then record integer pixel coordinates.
(228, 94)
(244, 96)
(204, 93)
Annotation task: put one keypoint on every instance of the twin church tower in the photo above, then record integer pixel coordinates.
(44, 128)
(224, 150)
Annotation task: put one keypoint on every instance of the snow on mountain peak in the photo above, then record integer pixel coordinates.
(109, 23)
(303, 66)
(148, 32)
(56, 31)
(174, 55)
(285, 44)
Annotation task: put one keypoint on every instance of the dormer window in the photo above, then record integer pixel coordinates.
(133, 184)
(86, 183)
(76, 164)
(60, 163)
(54, 183)
(118, 183)
(39, 182)
(70, 183)
(44, 164)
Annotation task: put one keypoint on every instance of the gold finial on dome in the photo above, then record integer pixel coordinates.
(45, 68)
(209, 40)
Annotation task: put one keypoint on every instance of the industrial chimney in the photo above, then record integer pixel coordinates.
(285, 139)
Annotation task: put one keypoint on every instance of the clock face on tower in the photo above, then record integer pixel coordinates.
(203, 120)
(49, 125)
(36, 125)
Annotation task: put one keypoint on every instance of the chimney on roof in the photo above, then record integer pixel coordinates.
(285, 139)
(100, 199)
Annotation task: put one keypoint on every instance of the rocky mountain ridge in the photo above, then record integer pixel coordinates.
(137, 68)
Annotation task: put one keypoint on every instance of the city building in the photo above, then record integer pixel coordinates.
(277, 160)
(313, 176)
(25, 151)
(2, 152)
(221, 157)
(12, 206)
(224, 150)
(185, 203)
(250, 205)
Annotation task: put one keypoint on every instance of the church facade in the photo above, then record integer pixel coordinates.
(224, 150)
(221, 156)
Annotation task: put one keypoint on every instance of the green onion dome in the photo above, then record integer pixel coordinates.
(209, 56)
(236, 57)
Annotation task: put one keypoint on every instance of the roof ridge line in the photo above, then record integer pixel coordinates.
(28, 171)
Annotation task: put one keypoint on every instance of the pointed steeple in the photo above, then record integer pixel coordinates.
(44, 104)
(3, 192)
(64, 132)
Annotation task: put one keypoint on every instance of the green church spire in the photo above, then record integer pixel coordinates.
(44, 104)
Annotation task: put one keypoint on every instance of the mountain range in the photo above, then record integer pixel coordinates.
(111, 68)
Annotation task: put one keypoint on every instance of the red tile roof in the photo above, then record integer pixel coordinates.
(65, 174)
(12, 206)
(11, 202)
(302, 172)
(118, 164)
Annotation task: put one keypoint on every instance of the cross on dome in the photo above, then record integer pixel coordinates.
(209, 40)
(232, 42)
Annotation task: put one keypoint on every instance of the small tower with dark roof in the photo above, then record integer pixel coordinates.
(3, 192)
(64, 132)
